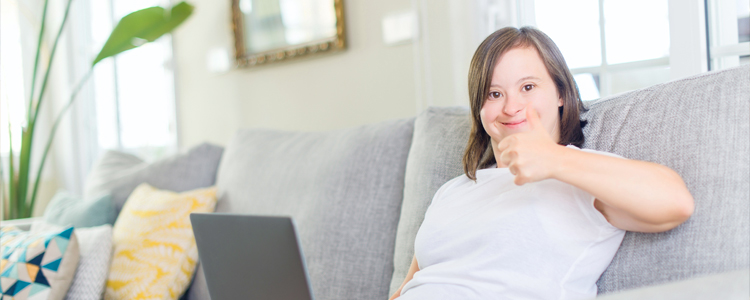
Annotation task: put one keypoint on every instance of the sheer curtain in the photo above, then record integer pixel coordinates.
(71, 154)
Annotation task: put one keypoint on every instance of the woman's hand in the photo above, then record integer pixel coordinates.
(531, 155)
(396, 294)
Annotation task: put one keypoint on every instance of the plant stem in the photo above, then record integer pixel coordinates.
(36, 60)
(54, 129)
(11, 178)
(28, 132)
(23, 171)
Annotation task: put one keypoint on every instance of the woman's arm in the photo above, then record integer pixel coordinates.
(632, 195)
(412, 269)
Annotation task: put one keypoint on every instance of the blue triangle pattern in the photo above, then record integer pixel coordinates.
(66, 233)
(37, 260)
(53, 265)
(62, 244)
(41, 279)
(22, 257)
(36, 288)
(11, 271)
(11, 290)
(20, 285)
(8, 289)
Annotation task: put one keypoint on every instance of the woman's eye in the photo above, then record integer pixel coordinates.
(495, 95)
(528, 87)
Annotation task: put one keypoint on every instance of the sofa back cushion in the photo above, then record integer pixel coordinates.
(343, 188)
(698, 126)
(440, 136)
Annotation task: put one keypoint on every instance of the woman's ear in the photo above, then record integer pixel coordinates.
(560, 102)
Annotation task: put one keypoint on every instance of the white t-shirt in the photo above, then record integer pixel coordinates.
(495, 240)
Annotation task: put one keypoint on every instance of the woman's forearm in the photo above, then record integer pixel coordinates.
(638, 195)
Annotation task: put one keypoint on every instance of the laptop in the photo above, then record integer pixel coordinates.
(250, 257)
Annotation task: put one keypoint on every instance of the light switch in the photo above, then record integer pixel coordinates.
(218, 60)
(399, 28)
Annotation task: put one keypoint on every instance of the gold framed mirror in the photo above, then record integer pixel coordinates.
(267, 31)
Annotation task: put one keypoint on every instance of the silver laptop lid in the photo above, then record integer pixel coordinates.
(250, 257)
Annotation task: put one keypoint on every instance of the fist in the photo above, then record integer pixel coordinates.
(529, 155)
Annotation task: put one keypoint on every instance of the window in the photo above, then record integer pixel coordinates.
(11, 85)
(135, 97)
(127, 104)
(728, 33)
(613, 46)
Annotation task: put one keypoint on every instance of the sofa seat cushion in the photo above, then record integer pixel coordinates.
(698, 126)
(343, 188)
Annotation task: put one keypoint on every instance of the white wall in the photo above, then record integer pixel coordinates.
(366, 83)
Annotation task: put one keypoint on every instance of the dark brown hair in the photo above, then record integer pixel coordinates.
(478, 154)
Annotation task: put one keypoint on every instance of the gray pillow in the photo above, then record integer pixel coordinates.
(698, 126)
(343, 188)
(440, 137)
(120, 173)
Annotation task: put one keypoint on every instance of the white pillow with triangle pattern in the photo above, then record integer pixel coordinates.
(37, 265)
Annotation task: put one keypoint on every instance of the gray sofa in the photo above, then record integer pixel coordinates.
(359, 195)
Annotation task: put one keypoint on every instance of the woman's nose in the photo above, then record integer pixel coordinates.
(513, 105)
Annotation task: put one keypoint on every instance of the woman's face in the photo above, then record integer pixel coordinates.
(519, 79)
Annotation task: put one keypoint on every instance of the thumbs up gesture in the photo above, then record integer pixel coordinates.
(530, 155)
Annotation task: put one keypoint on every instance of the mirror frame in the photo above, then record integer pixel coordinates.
(244, 59)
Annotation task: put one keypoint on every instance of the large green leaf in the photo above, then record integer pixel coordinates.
(145, 25)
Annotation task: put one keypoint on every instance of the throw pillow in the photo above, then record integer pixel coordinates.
(95, 244)
(440, 137)
(37, 265)
(67, 210)
(155, 252)
(120, 173)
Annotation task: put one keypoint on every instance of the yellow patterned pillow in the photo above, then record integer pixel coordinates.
(155, 252)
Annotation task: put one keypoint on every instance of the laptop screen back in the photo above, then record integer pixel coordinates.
(250, 257)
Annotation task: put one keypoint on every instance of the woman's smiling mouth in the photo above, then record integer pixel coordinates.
(514, 124)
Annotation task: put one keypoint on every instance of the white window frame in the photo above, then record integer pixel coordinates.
(724, 49)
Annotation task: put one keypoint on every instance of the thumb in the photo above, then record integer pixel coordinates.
(533, 117)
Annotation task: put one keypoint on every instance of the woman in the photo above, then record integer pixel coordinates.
(534, 216)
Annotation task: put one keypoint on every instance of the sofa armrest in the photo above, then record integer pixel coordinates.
(728, 285)
(23, 224)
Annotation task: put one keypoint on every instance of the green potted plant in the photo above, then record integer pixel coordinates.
(133, 30)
